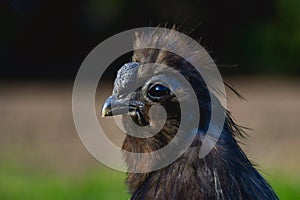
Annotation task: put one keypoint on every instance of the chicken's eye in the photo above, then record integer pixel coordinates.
(157, 91)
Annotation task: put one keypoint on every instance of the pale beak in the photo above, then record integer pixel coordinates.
(113, 106)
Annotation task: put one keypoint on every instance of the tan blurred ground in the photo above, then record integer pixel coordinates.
(37, 129)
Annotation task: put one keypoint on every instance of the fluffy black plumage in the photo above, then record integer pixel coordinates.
(225, 173)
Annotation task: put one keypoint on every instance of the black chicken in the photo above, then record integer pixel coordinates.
(225, 173)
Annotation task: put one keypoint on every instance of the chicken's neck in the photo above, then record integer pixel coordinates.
(225, 173)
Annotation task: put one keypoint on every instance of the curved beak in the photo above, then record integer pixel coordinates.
(113, 106)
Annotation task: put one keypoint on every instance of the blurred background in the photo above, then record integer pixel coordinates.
(42, 44)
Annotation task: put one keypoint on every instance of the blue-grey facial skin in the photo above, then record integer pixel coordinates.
(126, 78)
(123, 100)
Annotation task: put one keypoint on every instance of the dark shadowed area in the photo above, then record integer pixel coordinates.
(47, 39)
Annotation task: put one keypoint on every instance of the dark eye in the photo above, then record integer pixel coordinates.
(157, 91)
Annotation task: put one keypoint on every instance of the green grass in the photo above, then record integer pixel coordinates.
(286, 187)
(99, 184)
(102, 183)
